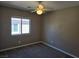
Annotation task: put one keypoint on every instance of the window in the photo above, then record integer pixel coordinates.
(20, 26)
(25, 26)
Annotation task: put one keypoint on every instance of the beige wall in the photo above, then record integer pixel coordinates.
(0, 26)
(61, 29)
(10, 41)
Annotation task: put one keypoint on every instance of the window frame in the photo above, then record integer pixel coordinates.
(21, 26)
(29, 26)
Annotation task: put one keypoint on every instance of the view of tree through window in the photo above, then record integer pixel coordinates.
(20, 26)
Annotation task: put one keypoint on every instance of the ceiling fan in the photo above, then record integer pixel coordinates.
(40, 8)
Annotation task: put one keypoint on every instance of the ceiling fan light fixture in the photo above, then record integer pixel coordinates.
(40, 6)
(39, 12)
(40, 9)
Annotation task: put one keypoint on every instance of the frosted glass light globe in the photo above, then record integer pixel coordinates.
(39, 12)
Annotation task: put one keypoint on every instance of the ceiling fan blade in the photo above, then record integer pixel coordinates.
(33, 11)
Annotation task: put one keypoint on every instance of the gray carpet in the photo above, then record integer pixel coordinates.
(33, 51)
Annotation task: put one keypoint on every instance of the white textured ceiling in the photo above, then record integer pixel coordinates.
(50, 5)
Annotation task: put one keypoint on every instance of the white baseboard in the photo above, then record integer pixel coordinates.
(60, 50)
(37, 43)
(19, 46)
